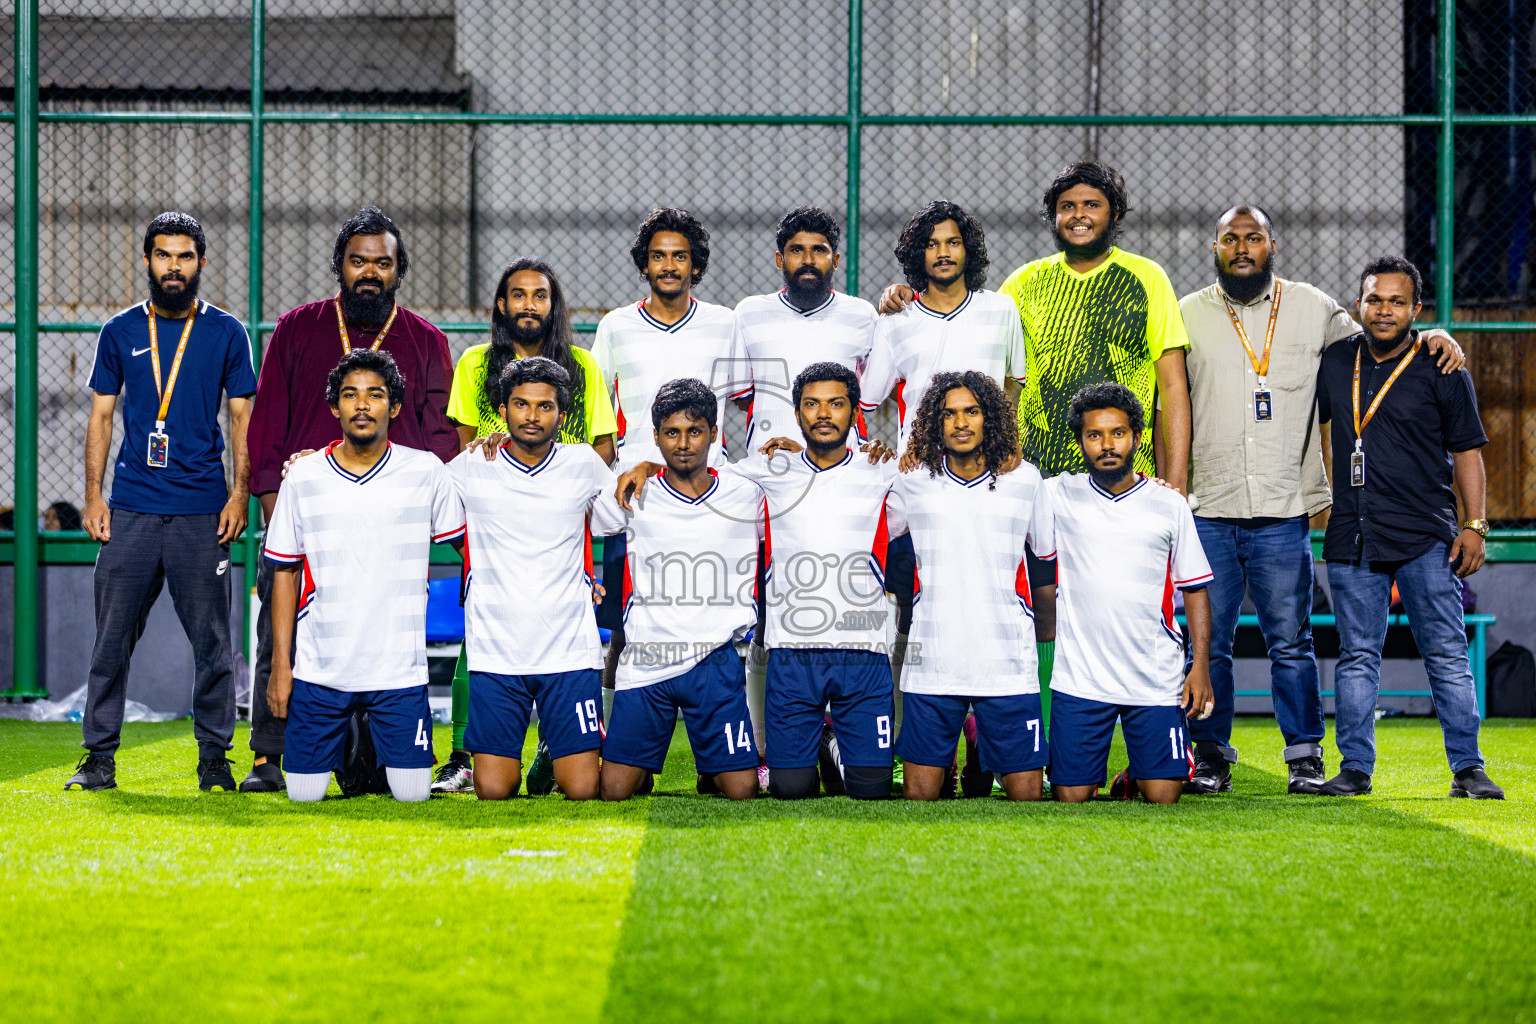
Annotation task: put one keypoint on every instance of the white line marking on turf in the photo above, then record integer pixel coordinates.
(519, 852)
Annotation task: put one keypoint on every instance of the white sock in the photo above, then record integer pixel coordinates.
(757, 695)
(607, 704)
(409, 785)
(307, 787)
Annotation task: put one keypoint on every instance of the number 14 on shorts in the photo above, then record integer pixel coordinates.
(737, 737)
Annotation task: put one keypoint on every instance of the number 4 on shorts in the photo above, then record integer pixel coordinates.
(422, 740)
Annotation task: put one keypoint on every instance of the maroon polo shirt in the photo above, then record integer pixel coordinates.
(291, 413)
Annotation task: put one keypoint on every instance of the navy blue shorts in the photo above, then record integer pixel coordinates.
(803, 681)
(610, 610)
(1157, 738)
(713, 698)
(400, 722)
(1008, 731)
(570, 712)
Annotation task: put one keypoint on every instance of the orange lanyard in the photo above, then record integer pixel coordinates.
(341, 325)
(1260, 366)
(1361, 424)
(154, 362)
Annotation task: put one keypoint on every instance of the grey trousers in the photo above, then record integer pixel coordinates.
(146, 553)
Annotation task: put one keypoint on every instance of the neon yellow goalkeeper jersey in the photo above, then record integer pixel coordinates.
(1111, 323)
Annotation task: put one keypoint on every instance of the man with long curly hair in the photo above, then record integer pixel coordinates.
(968, 506)
(952, 323)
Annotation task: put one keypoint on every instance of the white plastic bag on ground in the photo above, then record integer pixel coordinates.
(71, 708)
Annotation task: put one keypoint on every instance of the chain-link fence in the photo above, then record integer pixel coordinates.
(492, 129)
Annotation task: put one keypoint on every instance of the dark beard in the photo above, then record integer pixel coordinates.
(1091, 251)
(1108, 478)
(1378, 345)
(1244, 289)
(534, 335)
(806, 298)
(822, 449)
(174, 302)
(367, 312)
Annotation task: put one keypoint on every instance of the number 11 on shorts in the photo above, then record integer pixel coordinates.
(741, 740)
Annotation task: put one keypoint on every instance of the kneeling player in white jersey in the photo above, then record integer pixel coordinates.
(355, 527)
(1123, 544)
(688, 597)
(969, 506)
(826, 608)
(529, 627)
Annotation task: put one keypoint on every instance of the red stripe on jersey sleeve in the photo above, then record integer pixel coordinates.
(1021, 583)
(882, 544)
(307, 591)
(586, 547)
(901, 402)
(618, 410)
(1169, 622)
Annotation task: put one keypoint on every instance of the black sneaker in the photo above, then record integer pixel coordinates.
(455, 775)
(1347, 783)
(213, 773)
(647, 785)
(540, 780)
(265, 778)
(95, 771)
(1475, 783)
(1307, 776)
(1123, 787)
(1212, 775)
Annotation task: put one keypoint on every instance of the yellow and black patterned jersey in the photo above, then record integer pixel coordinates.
(1111, 323)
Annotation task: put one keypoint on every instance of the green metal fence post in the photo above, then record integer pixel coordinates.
(24, 676)
(855, 117)
(1445, 168)
(253, 279)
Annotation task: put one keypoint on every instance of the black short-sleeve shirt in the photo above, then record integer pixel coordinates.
(1406, 504)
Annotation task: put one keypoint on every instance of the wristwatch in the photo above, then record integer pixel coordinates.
(1477, 526)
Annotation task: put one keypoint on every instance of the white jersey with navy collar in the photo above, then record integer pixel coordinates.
(973, 626)
(778, 340)
(690, 576)
(529, 609)
(364, 543)
(983, 333)
(638, 354)
(1119, 558)
(826, 548)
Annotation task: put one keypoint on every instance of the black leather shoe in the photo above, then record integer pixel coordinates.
(95, 771)
(1212, 775)
(213, 773)
(1347, 783)
(266, 777)
(1307, 776)
(1475, 783)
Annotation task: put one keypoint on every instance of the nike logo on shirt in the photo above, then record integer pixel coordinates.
(141, 351)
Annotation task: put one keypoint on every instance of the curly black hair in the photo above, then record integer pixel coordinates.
(807, 218)
(911, 248)
(370, 220)
(828, 371)
(999, 425)
(377, 361)
(174, 222)
(668, 218)
(1094, 174)
(1107, 394)
(688, 395)
(535, 370)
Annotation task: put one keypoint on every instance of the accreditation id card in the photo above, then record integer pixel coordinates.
(1262, 406)
(1357, 468)
(159, 450)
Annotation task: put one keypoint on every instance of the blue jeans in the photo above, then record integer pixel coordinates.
(1431, 596)
(1275, 562)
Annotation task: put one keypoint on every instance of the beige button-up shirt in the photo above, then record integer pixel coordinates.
(1241, 468)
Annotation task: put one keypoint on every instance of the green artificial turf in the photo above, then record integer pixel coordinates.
(155, 902)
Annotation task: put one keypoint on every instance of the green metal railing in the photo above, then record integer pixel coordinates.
(26, 119)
